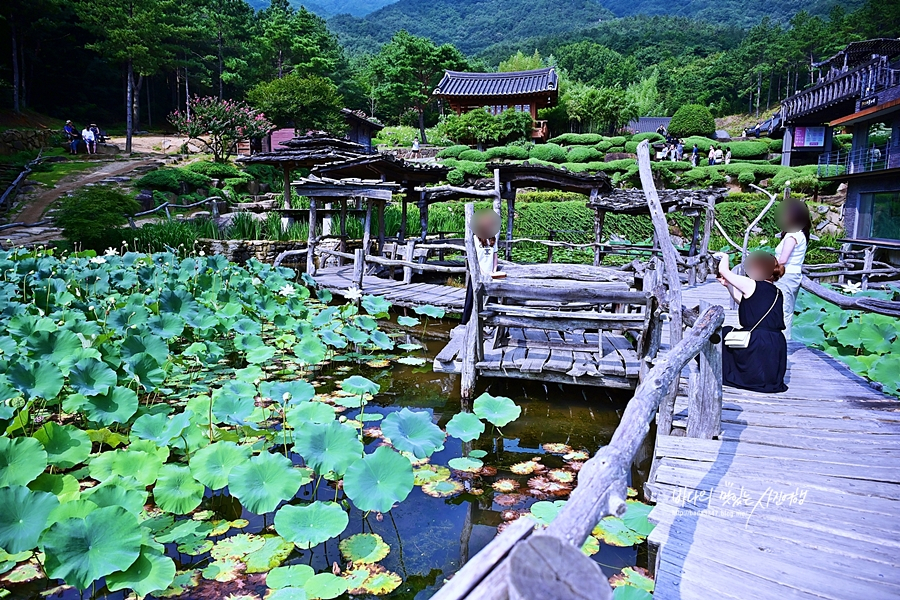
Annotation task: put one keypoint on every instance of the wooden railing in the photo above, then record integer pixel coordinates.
(168, 207)
(526, 564)
(9, 195)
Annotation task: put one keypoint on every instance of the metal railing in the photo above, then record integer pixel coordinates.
(863, 160)
(859, 82)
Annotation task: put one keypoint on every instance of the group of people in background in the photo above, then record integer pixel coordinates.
(90, 135)
(717, 156)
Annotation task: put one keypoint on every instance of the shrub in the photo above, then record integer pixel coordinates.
(603, 146)
(747, 149)
(214, 170)
(746, 178)
(616, 150)
(619, 166)
(219, 124)
(705, 176)
(631, 147)
(618, 140)
(171, 179)
(583, 154)
(456, 177)
(507, 152)
(266, 174)
(692, 119)
(90, 215)
(577, 139)
(473, 155)
(165, 235)
(775, 144)
(467, 167)
(548, 152)
(452, 151)
(703, 143)
(650, 136)
(549, 196)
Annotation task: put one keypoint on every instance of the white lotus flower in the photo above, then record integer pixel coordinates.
(256, 281)
(851, 288)
(98, 260)
(353, 293)
(111, 252)
(286, 396)
(287, 291)
(202, 253)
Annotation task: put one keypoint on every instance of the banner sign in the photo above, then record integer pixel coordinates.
(809, 137)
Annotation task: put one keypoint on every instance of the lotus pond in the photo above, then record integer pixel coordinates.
(187, 428)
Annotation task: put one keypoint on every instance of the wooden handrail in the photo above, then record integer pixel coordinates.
(497, 572)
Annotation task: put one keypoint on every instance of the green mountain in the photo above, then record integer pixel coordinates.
(471, 25)
(745, 13)
(328, 8)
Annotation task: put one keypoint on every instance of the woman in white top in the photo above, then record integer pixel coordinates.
(486, 227)
(791, 252)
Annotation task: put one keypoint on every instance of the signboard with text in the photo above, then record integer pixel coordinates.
(809, 137)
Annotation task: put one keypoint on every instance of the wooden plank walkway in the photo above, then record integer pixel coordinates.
(570, 358)
(339, 279)
(798, 498)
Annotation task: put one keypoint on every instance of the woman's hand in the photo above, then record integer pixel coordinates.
(722, 280)
(723, 260)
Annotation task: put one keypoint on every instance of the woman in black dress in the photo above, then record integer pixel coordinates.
(761, 366)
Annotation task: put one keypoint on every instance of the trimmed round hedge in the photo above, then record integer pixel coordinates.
(452, 151)
(473, 155)
(548, 152)
(603, 146)
(692, 119)
(651, 136)
(577, 139)
(583, 154)
(506, 152)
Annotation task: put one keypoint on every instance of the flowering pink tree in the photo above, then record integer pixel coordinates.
(218, 125)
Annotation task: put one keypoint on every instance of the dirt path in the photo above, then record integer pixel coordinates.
(39, 204)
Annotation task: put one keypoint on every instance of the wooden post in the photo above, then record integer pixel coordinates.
(708, 220)
(544, 567)
(705, 407)
(407, 270)
(343, 245)
(286, 195)
(868, 258)
(404, 203)
(472, 333)
(599, 218)
(670, 260)
(326, 219)
(550, 235)
(510, 213)
(359, 267)
(367, 226)
(311, 239)
(423, 217)
(381, 229)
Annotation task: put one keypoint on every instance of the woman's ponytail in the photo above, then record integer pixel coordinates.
(778, 271)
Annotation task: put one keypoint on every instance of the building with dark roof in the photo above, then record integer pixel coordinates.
(525, 91)
(649, 124)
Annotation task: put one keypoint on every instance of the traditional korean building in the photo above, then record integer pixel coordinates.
(525, 91)
(858, 91)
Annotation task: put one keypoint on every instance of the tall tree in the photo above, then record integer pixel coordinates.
(227, 24)
(407, 70)
(136, 33)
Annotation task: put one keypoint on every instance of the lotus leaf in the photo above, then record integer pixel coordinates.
(182, 529)
(635, 517)
(36, 380)
(357, 336)
(8, 561)
(183, 581)
(246, 327)
(632, 576)
(614, 531)
(364, 548)
(496, 410)
(465, 426)
(288, 593)
(72, 509)
(309, 526)
(115, 491)
(628, 592)
(145, 370)
(25, 572)
(116, 406)
(360, 385)
(234, 402)
(378, 480)
(212, 464)
(264, 481)
(90, 377)
(151, 572)
(80, 551)
(471, 465)
(135, 345)
(64, 487)
(274, 552)
(166, 326)
(159, 428)
(143, 466)
(23, 517)
(412, 361)
(55, 346)
(66, 445)
(544, 512)
(477, 454)
(372, 579)
(328, 447)
(381, 340)
(375, 305)
(324, 586)
(333, 339)
(176, 490)
(260, 355)
(591, 546)
(311, 412)
(21, 460)
(237, 546)
(250, 374)
(413, 432)
(409, 347)
(291, 576)
(195, 546)
(223, 570)
(288, 393)
(443, 488)
(430, 473)
(310, 350)
(430, 311)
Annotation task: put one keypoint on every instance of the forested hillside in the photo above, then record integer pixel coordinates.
(737, 12)
(328, 8)
(470, 25)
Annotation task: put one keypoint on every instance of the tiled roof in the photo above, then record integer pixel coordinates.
(857, 53)
(649, 124)
(516, 83)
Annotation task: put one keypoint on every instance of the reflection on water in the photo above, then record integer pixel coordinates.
(431, 538)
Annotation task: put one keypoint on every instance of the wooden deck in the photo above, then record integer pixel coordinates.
(798, 498)
(570, 358)
(339, 279)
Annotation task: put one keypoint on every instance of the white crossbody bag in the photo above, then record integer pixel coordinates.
(738, 338)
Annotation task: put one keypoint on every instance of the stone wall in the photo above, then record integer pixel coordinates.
(17, 140)
(240, 251)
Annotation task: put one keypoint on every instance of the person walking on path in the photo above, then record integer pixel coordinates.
(71, 137)
(720, 156)
(415, 147)
(712, 155)
(791, 253)
(90, 141)
(728, 155)
(695, 156)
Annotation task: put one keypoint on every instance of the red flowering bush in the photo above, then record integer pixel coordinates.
(218, 125)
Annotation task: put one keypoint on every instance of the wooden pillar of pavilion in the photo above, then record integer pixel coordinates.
(510, 195)
(382, 233)
(286, 221)
(311, 239)
(367, 227)
(343, 245)
(423, 217)
(599, 218)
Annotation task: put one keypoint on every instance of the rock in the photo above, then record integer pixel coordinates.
(842, 188)
(107, 148)
(822, 225)
(822, 209)
(264, 188)
(253, 188)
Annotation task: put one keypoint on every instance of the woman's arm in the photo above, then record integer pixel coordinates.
(789, 244)
(744, 285)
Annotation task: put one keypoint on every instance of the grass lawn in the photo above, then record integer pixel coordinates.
(56, 171)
